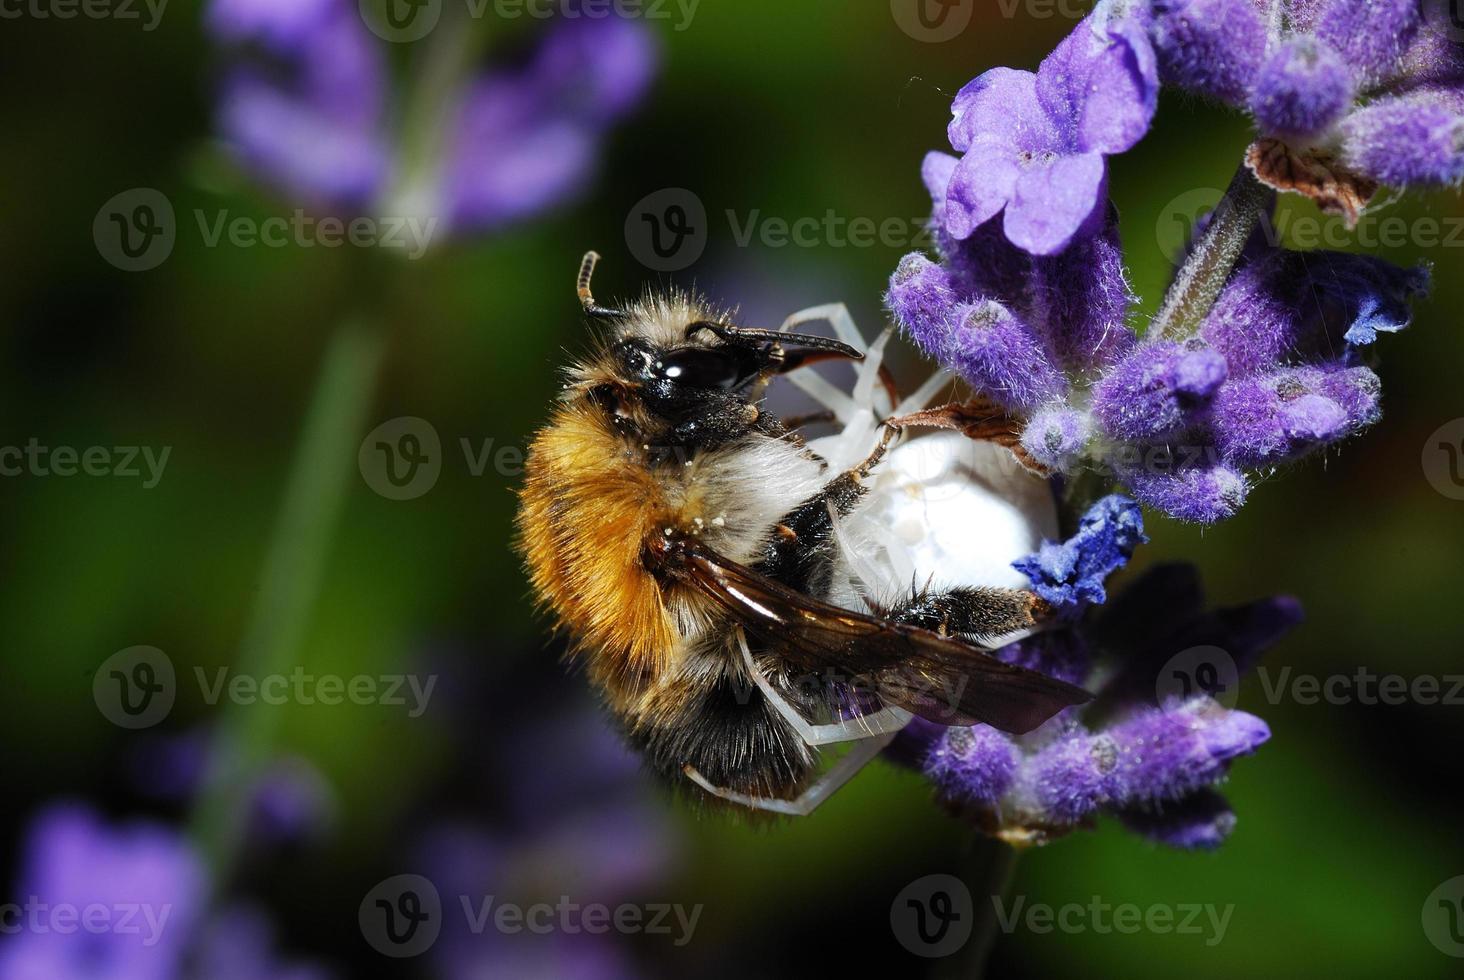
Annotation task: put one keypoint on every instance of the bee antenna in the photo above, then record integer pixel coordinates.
(587, 300)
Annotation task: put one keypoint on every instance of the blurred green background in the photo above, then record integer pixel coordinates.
(1346, 820)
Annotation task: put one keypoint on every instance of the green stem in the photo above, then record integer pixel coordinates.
(991, 867)
(295, 559)
(1212, 258)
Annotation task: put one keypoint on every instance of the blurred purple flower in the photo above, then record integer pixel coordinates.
(75, 865)
(292, 800)
(1034, 145)
(306, 108)
(239, 944)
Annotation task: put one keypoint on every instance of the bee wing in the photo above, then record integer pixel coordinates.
(938, 678)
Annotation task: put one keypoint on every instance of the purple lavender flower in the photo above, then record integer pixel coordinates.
(1034, 145)
(310, 114)
(1273, 373)
(1152, 765)
(1349, 94)
(78, 866)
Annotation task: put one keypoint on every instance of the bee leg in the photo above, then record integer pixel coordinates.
(886, 721)
(811, 798)
(984, 613)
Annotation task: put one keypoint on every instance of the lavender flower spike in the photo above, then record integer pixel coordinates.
(1034, 145)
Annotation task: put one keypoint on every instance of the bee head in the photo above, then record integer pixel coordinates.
(675, 372)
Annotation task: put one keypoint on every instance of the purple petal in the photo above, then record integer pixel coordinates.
(1060, 653)
(1084, 299)
(1303, 88)
(972, 764)
(1411, 139)
(1200, 492)
(1000, 106)
(1158, 390)
(997, 355)
(937, 170)
(1071, 777)
(282, 25)
(310, 154)
(1054, 200)
(922, 300)
(1371, 35)
(980, 186)
(1271, 418)
(1198, 822)
(1213, 47)
(1071, 574)
(1169, 754)
(597, 68)
(1102, 82)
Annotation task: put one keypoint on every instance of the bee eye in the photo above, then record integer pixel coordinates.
(702, 367)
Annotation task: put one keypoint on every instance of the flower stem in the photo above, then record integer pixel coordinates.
(991, 867)
(1212, 258)
(318, 481)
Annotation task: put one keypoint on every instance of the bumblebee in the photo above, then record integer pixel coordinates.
(684, 537)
